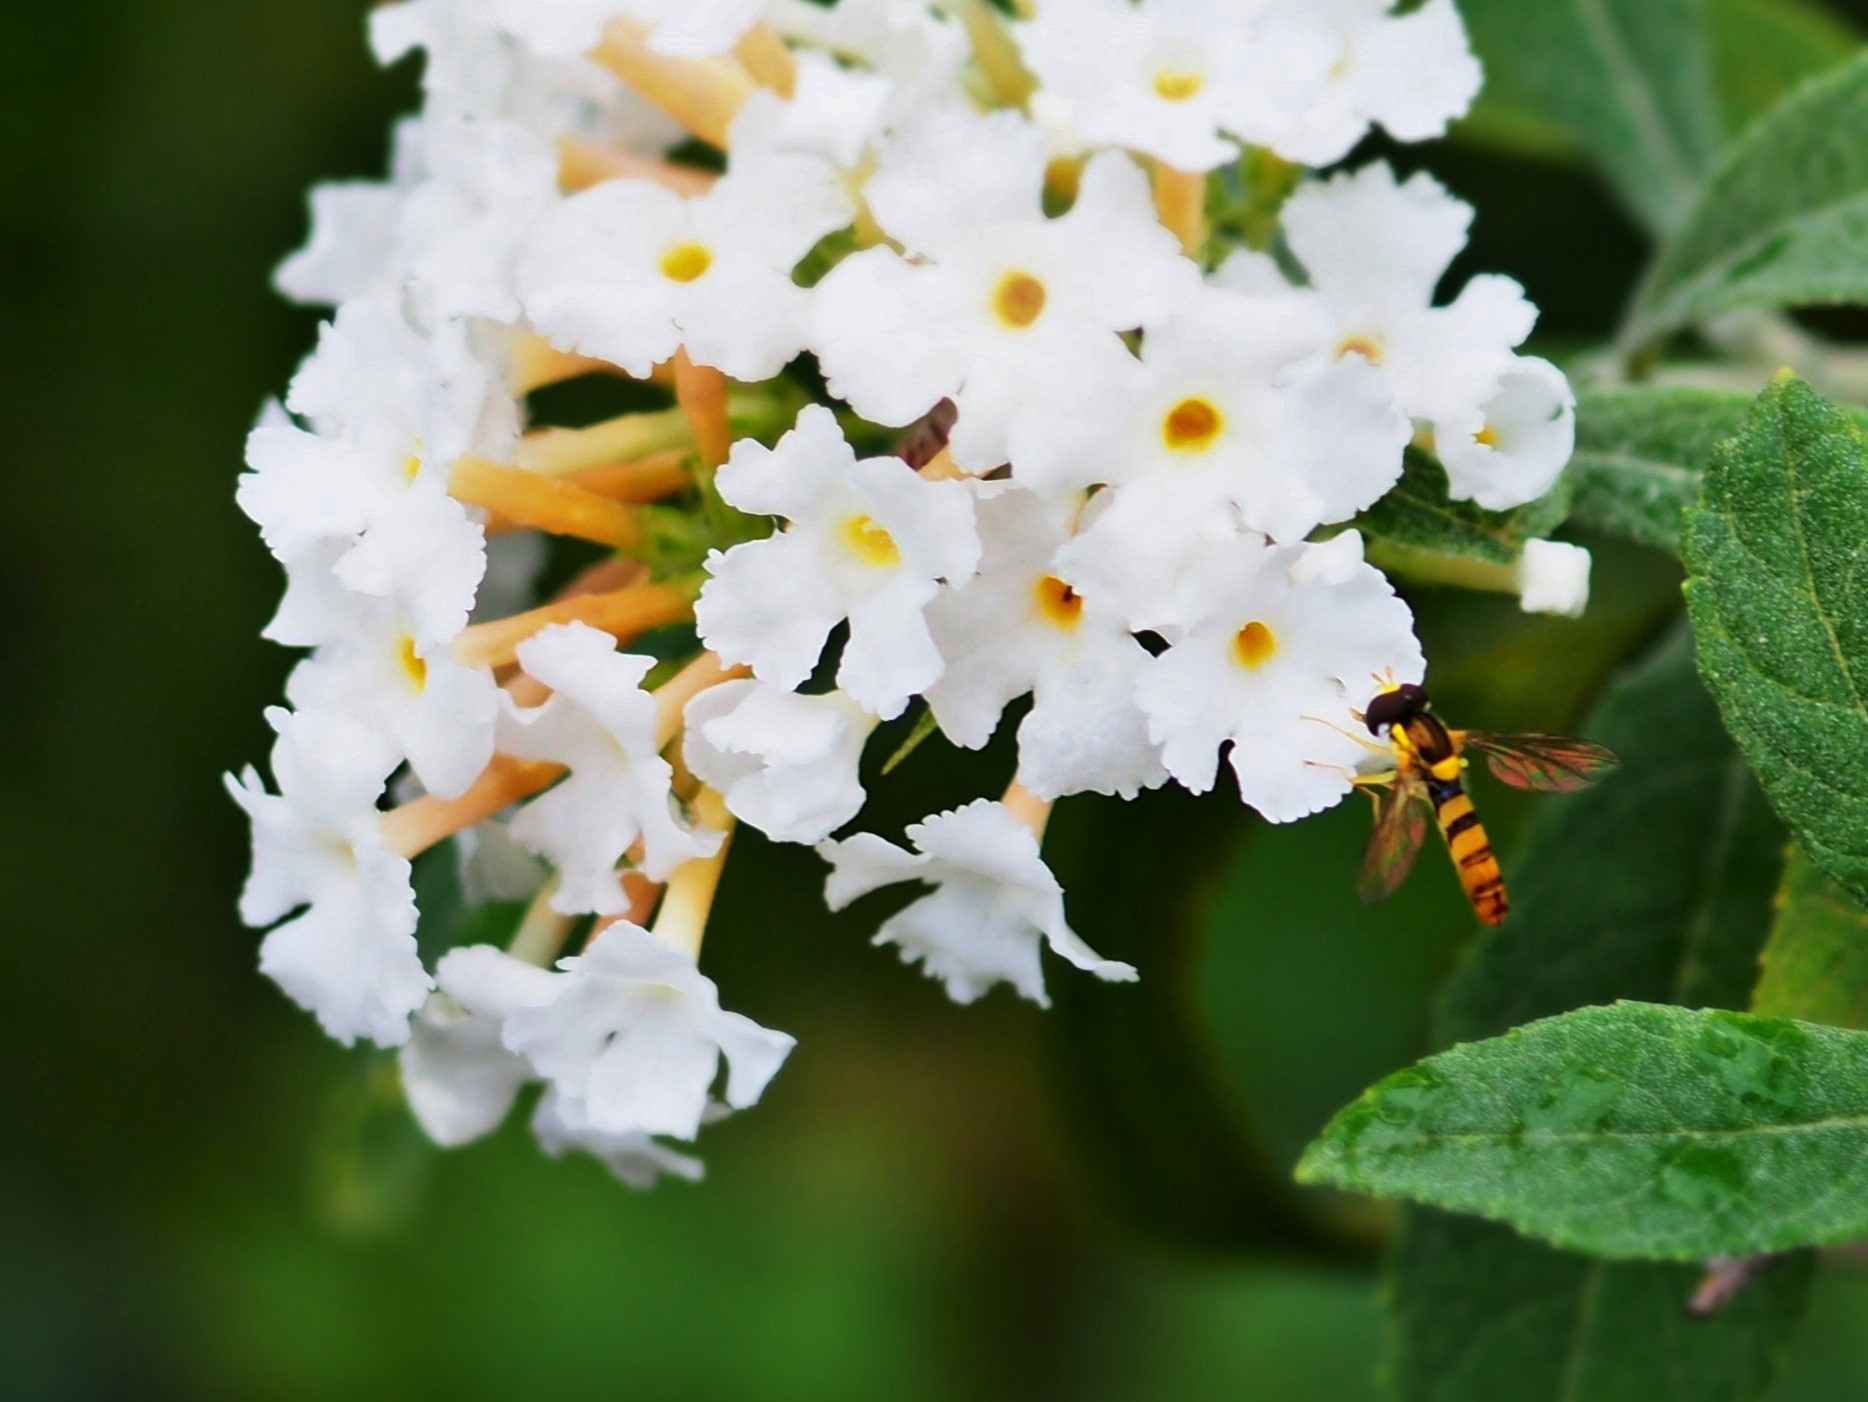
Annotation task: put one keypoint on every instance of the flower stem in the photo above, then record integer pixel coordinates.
(995, 50)
(533, 362)
(646, 479)
(1456, 571)
(1028, 808)
(765, 55)
(559, 452)
(582, 164)
(542, 931)
(682, 920)
(416, 826)
(703, 95)
(623, 613)
(701, 392)
(528, 498)
(673, 695)
(1180, 199)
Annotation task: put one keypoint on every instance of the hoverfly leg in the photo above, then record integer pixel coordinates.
(1361, 740)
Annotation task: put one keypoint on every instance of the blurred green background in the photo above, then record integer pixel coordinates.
(202, 1197)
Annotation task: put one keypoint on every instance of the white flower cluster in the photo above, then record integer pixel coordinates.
(1131, 476)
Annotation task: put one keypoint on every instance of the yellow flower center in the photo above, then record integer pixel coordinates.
(1019, 300)
(1177, 84)
(686, 261)
(413, 667)
(411, 467)
(1192, 426)
(1366, 347)
(1254, 646)
(870, 543)
(1061, 605)
(1487, 435)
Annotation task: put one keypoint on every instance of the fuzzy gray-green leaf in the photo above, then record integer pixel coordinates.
(1783, 223)
(1635, 1130)
(1417, 514)
(1640, 454)
(1629, 80)
(1780, 611)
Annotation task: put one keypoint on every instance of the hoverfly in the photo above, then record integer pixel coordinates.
(1428, 762)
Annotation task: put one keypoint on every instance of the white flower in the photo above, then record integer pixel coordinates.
(686, 28)
(1512, 448)
(352, 245)
(1143, 561)
(439, 713)
(350, 956)
(1017, 627)
(459, 1077)
(364, 494)
(1165, 78)
(600, 724)
(868, 541)
(1005, 307)
(636, 1158)
(994, 901)
(458, 232)
(632, 272)
(1360, 65)
(422, 553)
(1376, 251)
(782, 761)
(629, 1034)
(1554, 578)
(920, 52)
(1211, 430)
(1292, 638)
(832, 115)
(561, 28)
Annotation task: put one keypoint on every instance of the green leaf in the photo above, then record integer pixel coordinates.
(1629, 80)
(1481, 1314)
(1634, 1130)
(1780, 613)
(1816, 963)
(1418, 515)
(1761, 49)
(1657, 885)
(1783, 223)
(1640, 454)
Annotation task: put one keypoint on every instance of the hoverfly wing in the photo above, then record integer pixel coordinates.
(1400, 827)
(1554, 763)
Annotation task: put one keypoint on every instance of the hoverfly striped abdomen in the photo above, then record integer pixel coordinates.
(1429, 766)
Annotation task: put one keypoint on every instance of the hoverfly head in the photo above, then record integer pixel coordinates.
(1395, 706)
